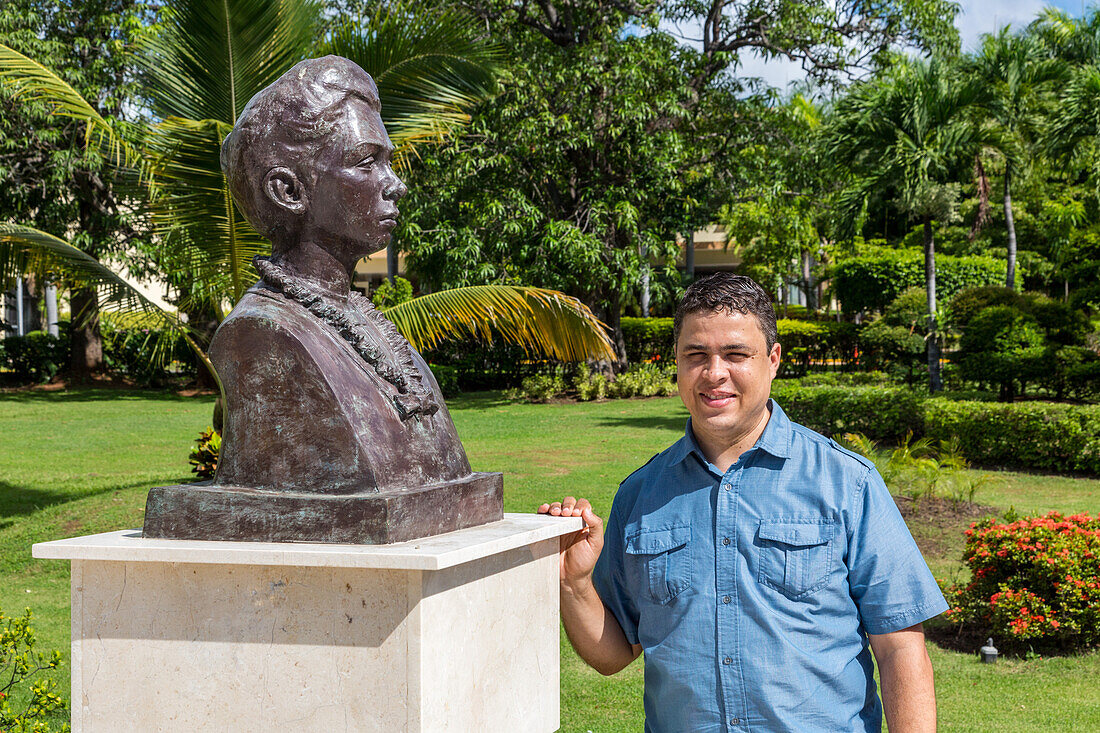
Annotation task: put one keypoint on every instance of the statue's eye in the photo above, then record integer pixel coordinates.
(366, 163)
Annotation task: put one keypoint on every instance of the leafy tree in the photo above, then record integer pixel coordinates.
(609, 137)
(48, 178)
(205, 61)
(909, 131)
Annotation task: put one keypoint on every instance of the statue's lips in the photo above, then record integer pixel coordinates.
(388, 221)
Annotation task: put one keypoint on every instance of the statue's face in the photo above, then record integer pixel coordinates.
(353, 205)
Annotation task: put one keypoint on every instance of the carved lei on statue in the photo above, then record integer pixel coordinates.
(412, 398)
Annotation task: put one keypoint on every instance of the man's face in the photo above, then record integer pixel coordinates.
(353, 203)
(724, 373)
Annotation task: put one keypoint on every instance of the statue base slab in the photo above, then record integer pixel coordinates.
(211, 512)
(457, 632)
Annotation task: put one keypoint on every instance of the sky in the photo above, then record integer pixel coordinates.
(975, 18)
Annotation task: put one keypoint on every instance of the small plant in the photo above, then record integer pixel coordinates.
(387, 295)
(543, 387)
(204, 454)
(1035, 582)
(589, 385)
(19, 662)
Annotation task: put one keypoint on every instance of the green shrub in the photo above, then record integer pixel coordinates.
(19, 662)
(589, 385)
(36, 357)
(647, 339)
(1034, 435)
(845, 379)
(387, 295)
(644, 380)
(543, 387)
(1071, 371)
(480, 366)
(447, 377)
(145, 355)
(880, 413)
(204, 454)
(1002, 345)
(801, 341)
(1035, 583)
(970, 302)
(873, 278)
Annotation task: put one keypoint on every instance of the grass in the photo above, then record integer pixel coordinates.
(81, 462)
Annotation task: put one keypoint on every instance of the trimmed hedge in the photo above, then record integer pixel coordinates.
(871, 281)
(879, 412)
(647, 338)
(1041, 436)
(1033, 435)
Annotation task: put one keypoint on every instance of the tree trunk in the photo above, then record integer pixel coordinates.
(808, 280)
(1010, 226)
(87, 343)
(645, 281)
(689, 257)
(51, 310)
(391, 261)
(935, 383)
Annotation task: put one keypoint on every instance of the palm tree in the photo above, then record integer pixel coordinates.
(1015, 74)
(208, 59)
(908, 131)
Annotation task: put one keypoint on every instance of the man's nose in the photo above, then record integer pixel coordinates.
(715, 368)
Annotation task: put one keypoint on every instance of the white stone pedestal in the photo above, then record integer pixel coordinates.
(457, 632)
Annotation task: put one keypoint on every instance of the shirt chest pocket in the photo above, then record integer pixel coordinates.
(795, 557)
(660, 559)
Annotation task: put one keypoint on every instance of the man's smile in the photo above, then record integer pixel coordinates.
(717, 398)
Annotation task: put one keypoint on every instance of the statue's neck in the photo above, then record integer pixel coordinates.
(308, 261)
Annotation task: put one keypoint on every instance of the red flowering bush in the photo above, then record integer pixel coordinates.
(1035, 582)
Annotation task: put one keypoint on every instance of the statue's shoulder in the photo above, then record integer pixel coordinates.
(261, 322)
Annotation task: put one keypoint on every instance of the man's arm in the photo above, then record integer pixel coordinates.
(593, 630)
(905, 671)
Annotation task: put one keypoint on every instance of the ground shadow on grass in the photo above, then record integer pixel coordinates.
(478, 401)
(674, 421)
(98, 394)
(19, 501)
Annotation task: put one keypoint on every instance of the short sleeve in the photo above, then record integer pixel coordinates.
(608, 579)
(889, 580)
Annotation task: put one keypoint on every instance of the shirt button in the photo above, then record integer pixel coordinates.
(725, 540)
(726, 599)
(727, 660)
(727, 487)
(735, 721)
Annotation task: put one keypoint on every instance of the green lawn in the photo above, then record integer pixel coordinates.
(81, 462)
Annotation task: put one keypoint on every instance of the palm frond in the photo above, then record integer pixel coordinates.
(204, 234)
(542, 321)
(430, 68)
(29, 80)
(211, 56)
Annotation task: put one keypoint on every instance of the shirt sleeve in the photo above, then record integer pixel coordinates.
(609, 579)
(888, 577)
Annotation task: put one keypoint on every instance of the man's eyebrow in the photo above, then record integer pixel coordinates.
(727, 347)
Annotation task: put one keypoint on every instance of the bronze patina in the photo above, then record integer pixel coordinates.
(335, 429)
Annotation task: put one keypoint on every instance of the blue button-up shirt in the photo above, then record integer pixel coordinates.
(752, 591)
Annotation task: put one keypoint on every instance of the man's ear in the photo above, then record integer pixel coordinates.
(283, 187)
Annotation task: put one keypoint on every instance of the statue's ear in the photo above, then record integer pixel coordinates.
(283, 187)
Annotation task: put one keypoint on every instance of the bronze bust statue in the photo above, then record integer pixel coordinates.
(335, 429)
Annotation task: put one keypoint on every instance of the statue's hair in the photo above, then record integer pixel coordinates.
(728, 293)
(284, 125)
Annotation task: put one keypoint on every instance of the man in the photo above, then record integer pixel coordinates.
(754, 560)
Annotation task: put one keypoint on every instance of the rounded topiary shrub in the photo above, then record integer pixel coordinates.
(1035, 583)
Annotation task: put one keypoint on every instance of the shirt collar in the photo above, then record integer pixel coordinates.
(776, 438)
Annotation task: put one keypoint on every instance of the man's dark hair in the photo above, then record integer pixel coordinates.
(725, 291)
